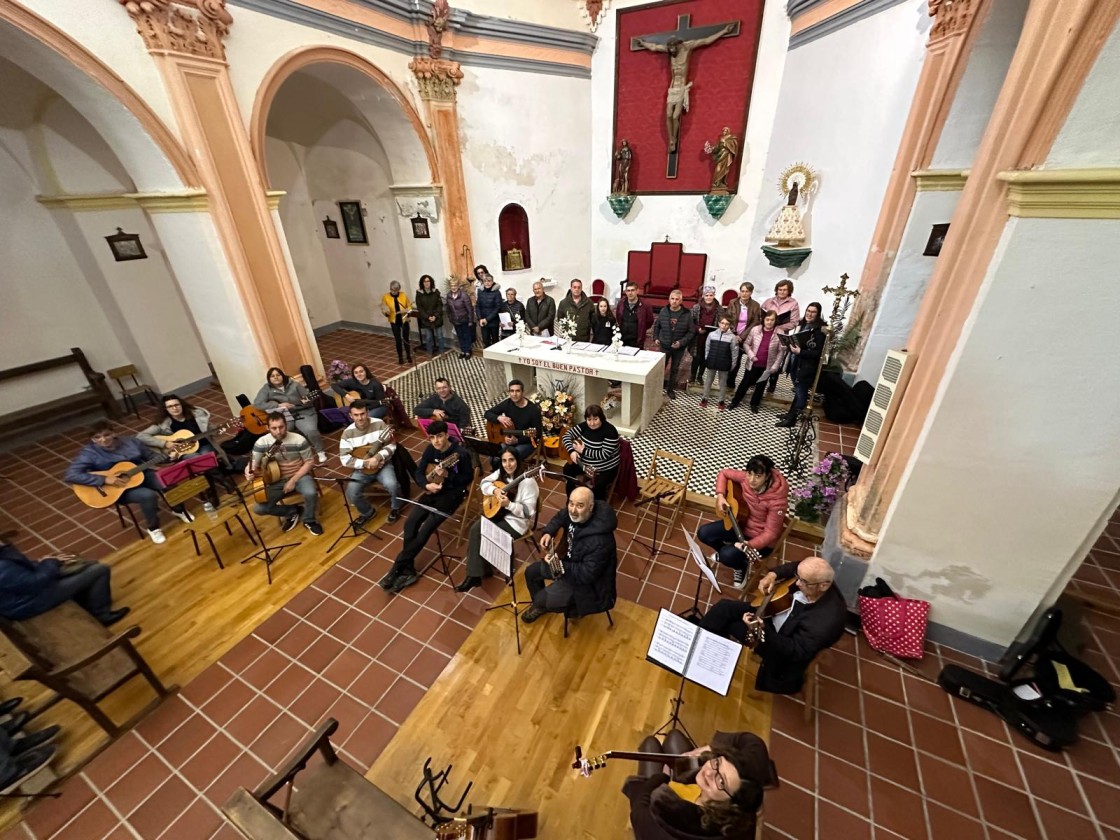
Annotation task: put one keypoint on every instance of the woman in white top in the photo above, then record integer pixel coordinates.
(518, 511)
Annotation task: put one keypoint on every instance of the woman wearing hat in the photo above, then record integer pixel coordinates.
(720, 799)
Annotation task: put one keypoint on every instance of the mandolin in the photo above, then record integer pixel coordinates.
(490, 504)
(681, 766)
(107, 495)
(186, 443)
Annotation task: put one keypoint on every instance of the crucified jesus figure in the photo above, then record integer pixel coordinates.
(676, 100)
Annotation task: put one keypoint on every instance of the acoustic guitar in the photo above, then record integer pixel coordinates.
(730, 520)
(107, 495)
(432, 472)
(186, 443)
(267, 473)
(254, 420)
(491, 824)
(370, 450)
(496, 433)
(681, 766)
(490, 504)
(779, 599)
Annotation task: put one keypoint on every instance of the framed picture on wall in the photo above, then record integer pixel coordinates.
(126, 246)
(936, 240)
(353, 223)
(420, 228)
(330, 226)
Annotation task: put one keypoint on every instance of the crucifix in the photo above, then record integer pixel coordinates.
(841, 292)
(679, 44)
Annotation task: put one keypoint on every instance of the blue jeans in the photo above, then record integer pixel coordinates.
(359, 480)
(305, 487)
(432, 338)
(714, 535)
(800, 396)
(465, 334)
(147, 496)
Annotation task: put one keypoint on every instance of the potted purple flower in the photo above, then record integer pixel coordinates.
(338, 370)
(814, 501)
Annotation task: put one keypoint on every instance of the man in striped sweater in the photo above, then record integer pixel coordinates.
(373, 465)
(293, 454)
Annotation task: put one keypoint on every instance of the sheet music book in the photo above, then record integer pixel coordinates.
(784, 318)
(545, 334)
(701, 657)
(588, 347)
(506, 320)
(798, 338)
(629, 351)
(497, 546)
(698, 556)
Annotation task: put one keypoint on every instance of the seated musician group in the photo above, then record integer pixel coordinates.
(367, 447)
(283, 394)
(291, 452)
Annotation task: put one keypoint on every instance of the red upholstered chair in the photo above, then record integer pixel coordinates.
(728, 296)
(598, 289)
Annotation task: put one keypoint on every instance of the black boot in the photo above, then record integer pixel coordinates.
(468, 584)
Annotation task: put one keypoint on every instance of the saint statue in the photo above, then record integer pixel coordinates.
(787, 229)
(622, 158)
(723, 153)
(676, 100)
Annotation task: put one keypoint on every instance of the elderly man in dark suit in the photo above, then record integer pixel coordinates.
(792, 638)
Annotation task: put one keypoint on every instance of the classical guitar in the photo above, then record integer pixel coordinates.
(496, 433)
(369, 451)
(432, 473)
(491, 824)
(680, 765)
(552, 556)
(107, 494)
(353, 396)
(779, 599)
(186, 443)
(254, 420)
(730, 519)
(490, 504)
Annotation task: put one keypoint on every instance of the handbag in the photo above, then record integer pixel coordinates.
(893, 624)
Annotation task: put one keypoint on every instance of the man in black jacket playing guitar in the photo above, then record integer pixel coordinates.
(445, 473)
(789, 639)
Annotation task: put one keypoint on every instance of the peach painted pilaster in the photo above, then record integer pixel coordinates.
(185, 40)
(1059, 43)
(438, 79)
(954, 31)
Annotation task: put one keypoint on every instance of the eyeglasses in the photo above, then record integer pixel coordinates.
(802, 583)
(721, 782)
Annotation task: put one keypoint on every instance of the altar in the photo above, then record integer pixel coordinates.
(585, 374)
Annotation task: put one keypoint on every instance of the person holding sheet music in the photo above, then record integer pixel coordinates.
(788, 311)
(720, 799)
(764, 354)
(516, 515)
(806, 346)
(515, 309)
(792, 638)
(282, 393)
(587, 583)
(444, 404)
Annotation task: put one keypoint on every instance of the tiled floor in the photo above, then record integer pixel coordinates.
(889, 755)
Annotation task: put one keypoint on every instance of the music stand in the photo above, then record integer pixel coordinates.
(674, 721)
(496, 548)
(453, 431)
(266, 553)
(483, 449)
(442, 557)
(654, 546)
(354, 529)
(693, 613)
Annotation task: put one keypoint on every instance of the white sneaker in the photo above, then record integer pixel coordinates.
(713, 559)
(322, 457)
(157, 536)
(184, 515)
(740, 579)
(207, 507)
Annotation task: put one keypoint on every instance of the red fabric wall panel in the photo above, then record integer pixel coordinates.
(722, 74)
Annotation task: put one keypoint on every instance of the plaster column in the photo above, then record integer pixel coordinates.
(185, 39)
(1060, 41)
(955, 27)
(438, 79)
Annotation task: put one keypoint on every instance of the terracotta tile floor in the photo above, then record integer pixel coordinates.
(888, 755)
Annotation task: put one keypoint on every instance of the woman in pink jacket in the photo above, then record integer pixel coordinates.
(788, 311)
(764, 354)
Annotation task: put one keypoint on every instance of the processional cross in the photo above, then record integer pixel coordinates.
(679, 44)
(841, 292)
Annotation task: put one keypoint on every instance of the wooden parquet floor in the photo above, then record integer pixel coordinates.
(510, 724)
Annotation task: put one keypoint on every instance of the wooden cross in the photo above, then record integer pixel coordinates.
(684, 31)
(842, 291)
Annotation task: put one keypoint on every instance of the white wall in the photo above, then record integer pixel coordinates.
(1091, 134)
(906, 284)
(1010, 483)
(843, 104)
(525, 140)
(682, 218)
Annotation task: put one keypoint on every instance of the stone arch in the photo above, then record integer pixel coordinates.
(304, 57)
(154, 134)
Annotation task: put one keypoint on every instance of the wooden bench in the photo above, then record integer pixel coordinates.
(97, 395)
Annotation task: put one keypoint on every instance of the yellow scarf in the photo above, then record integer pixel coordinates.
(689, 793)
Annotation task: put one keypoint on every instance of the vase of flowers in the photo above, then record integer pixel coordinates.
(565, 331)
(519, 329)
(557, 410)
(338, 370)
(616, 339)
(814, 501)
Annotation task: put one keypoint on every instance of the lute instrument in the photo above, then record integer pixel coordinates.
(432, 473)
(266, 473)
(490, 504)
(107, 495)
(372, 450)
(186, 443)
(681, 766)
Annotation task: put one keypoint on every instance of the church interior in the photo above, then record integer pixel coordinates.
(200, 191)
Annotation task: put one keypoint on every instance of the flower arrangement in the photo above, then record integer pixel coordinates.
(616, 338)
(338, 370)
(520, 330)
(557, 408)
(566, 328)
(830, 478)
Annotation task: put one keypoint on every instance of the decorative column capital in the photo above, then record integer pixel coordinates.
(592, 11)
(189, 27)
(438, 78)
(950, 17)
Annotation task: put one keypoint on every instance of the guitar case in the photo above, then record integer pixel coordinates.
(1066, 687)
(319, 400)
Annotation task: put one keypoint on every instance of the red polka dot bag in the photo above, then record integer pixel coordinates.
(893, 624)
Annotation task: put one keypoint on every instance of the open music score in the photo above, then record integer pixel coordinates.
(701, 657)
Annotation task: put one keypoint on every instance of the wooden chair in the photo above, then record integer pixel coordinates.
(128, 392)
(567, 617)
(69, 651)
(657, 482)
(472, 507)
(811, 690)
(332, 801)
